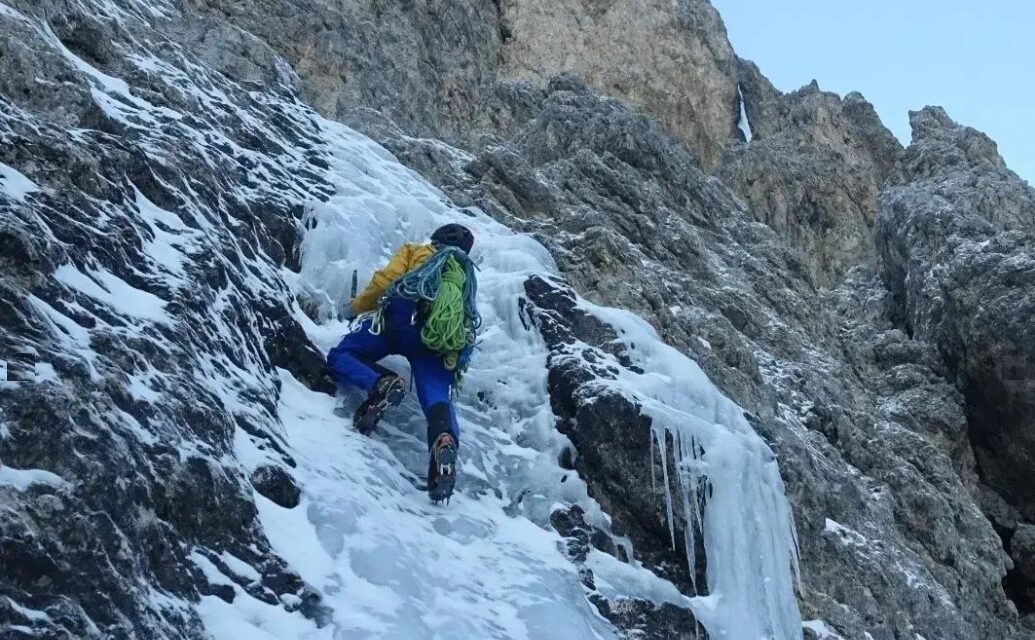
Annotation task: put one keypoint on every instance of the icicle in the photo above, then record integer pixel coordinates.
(741, 517)
(660, 434)
(653, 482)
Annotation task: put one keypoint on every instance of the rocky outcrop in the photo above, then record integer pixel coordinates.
(437, 69)
(957, 254)
(610, 432)
(638, 618)
(424, 65)
(812, 171)
(142, 225)
(956, 251)
(670, 59)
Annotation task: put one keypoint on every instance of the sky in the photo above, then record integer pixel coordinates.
(976, 59)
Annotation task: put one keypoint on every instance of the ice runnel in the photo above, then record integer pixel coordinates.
(742, 122)
(391, 566)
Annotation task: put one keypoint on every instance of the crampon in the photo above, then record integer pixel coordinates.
(388, 392)
(442, 469)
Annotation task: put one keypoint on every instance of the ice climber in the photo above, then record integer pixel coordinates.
(421, 306)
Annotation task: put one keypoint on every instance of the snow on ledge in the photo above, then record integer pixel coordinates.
(822, 631)
(22, 479)
(14, 184)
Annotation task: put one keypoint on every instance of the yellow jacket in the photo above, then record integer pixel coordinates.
(406, 259)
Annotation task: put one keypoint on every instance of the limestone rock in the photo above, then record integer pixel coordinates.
(812, 171)
(670, 59)
(956, 252)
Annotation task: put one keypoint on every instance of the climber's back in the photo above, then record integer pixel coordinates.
(423, 308)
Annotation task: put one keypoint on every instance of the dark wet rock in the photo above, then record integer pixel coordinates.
(634, 617)
(571, 523)
(276, 484)
(289, 348)
(650, 620)
(1022, 549)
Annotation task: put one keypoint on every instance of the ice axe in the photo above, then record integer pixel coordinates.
(352, 294)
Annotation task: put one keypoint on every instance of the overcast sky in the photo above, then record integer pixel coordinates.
(976, 59)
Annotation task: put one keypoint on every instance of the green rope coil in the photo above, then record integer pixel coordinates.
(447, 282)
(444, 329)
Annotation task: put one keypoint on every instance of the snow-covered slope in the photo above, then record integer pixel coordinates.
(489, 566)
(153, 327)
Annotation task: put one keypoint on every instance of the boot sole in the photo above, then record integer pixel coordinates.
(393, 398)
(443, 490)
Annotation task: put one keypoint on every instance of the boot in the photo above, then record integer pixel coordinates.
(442, 449)
(442, 468)
(388, 391)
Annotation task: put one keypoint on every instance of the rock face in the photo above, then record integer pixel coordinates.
(425, 65)
(957, 254)
(139, 253)
(671, 59)
(437, 69)
(812, 171)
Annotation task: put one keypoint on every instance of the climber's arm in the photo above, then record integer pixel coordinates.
(396, 268)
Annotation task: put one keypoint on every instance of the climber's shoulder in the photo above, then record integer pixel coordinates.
(414, 254)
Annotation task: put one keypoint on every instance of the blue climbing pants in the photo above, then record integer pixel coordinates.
(354, 363)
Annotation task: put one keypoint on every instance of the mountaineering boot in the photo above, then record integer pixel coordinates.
(442, 469)
(388, 391)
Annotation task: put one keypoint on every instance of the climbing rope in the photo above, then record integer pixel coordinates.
(444, 329)
(448, 283)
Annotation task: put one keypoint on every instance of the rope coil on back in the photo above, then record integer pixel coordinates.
(447, 281)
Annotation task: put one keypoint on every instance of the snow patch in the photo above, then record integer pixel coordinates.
(15, 184)
(170, 239)
(239, 567)
(248, 617)
(107, 288)
(74, 338)
(822, 631)
(140, 387)
(212, 573)
(22, 479)
(32, 615)
(44, 372)
(844, 534)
